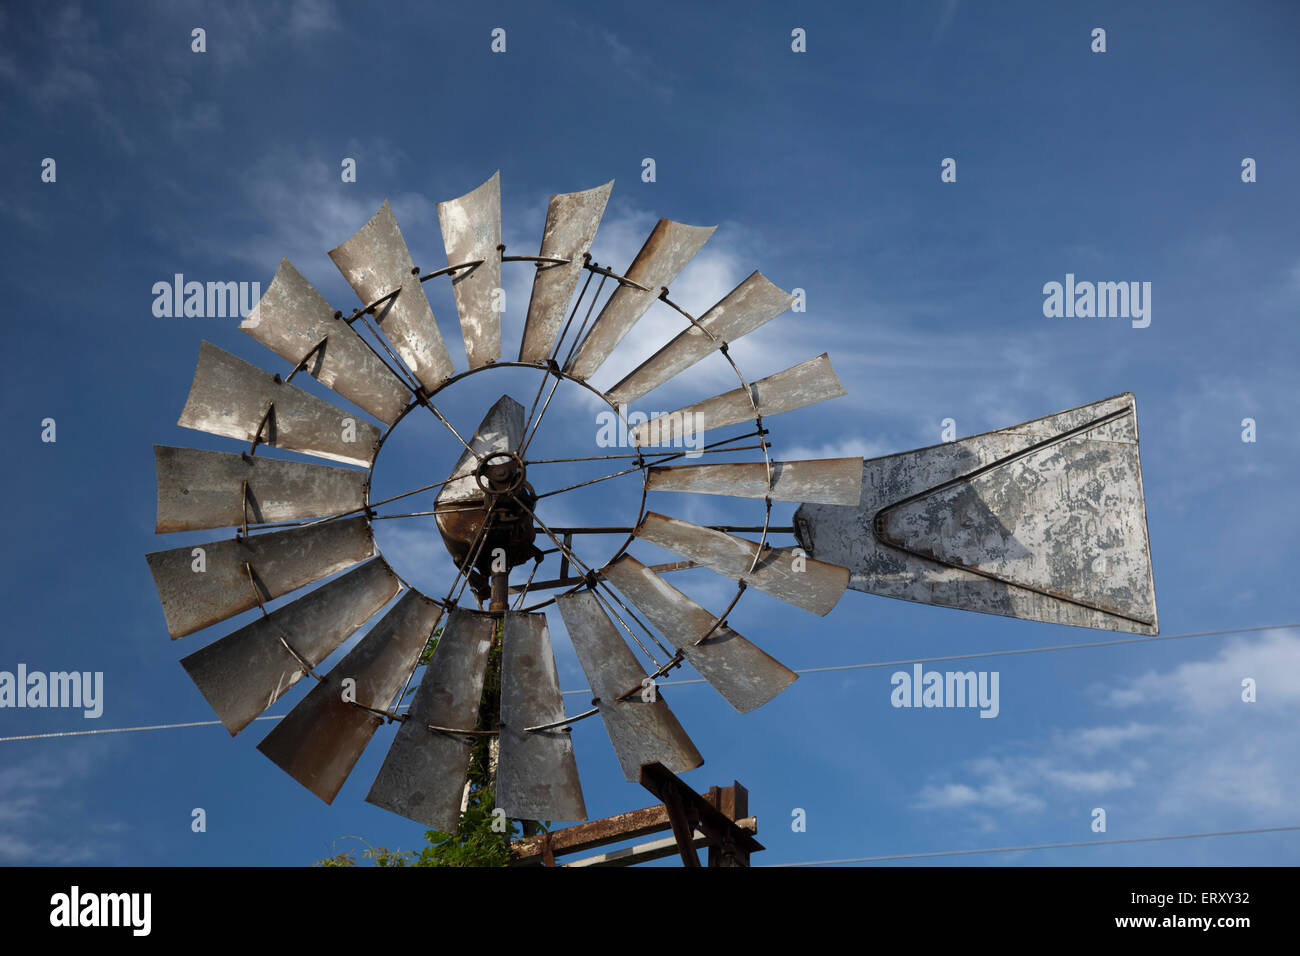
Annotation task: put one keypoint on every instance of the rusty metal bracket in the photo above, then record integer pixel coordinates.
(471, 265)
(721, 620)
(540, 260)
(307, 668)
(243, 508)
(620, 279)
(562, 722)
(674, 661)
(302, 362)
(460, 732)
(688, 811)
(257, 592)
(267, 418)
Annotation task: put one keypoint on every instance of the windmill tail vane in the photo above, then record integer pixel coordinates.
(1043, 521)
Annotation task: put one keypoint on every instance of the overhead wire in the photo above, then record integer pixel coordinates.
(1037, 846)
(804, 670)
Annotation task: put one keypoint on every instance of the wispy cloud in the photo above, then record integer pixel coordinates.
(28, 788)
(1201, 757)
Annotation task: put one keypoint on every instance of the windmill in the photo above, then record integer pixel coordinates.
(1044, 520)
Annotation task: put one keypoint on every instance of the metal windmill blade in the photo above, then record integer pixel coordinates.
(538, 774)
(246, 672)
(752, 304)
(1044, 521)
(781, 572)
(641, 727)
(571, 222)
(471, 230)
(295, 322)
(736, 669)
(321, 739)
(200, 489)
(199, 586)
(377, 264)
(830, 481)
(232, 398)
(423, 775)
(667, 250)
(804, 384)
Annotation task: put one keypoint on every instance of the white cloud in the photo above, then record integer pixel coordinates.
(27, 789)
(1203, 758)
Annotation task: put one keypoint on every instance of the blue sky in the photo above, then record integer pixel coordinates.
(822, 169)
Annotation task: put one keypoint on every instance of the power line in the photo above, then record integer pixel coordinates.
(124, 730)
(700, 680)
(1038, 846)
(1005, 653)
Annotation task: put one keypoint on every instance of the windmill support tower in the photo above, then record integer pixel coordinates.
(718, 820)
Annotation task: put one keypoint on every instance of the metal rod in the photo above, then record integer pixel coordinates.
(621, 279)
(472, 264)
(595, 592)
(577, 338)
(555, 349)
(302, 362)
(442, 418)
(403, 374)
(540, 415)
(562, 722)
(591, 481)
(540, 260)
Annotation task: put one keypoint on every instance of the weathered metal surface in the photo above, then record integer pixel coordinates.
(319, 741)
(423, 776)
(571, 223)
(829, 481)
(502, 429)
(753, 303)
(739, 671)
(376, 261)
(464, 507)
(670, 246)
(641, 731)
(781, 572)
(471, 230)
(1044, 521)
(230, 397)
(587, 836)
(688, 810)
(291, 318)
(204, 489)
(281, 561)
(537, 776)
(246, 672)
(804, 384)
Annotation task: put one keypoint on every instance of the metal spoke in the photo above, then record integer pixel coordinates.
(660, 457)
(447, 602)
(577, 339)
(442, 418)
(568, 552)
(528, 420)
(555, 350)
(592, 481)
(425, 514)
(479, 540)
(542, 414)
(627, 471)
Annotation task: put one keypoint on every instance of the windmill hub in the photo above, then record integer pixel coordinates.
(487, 524)
(500, 473)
